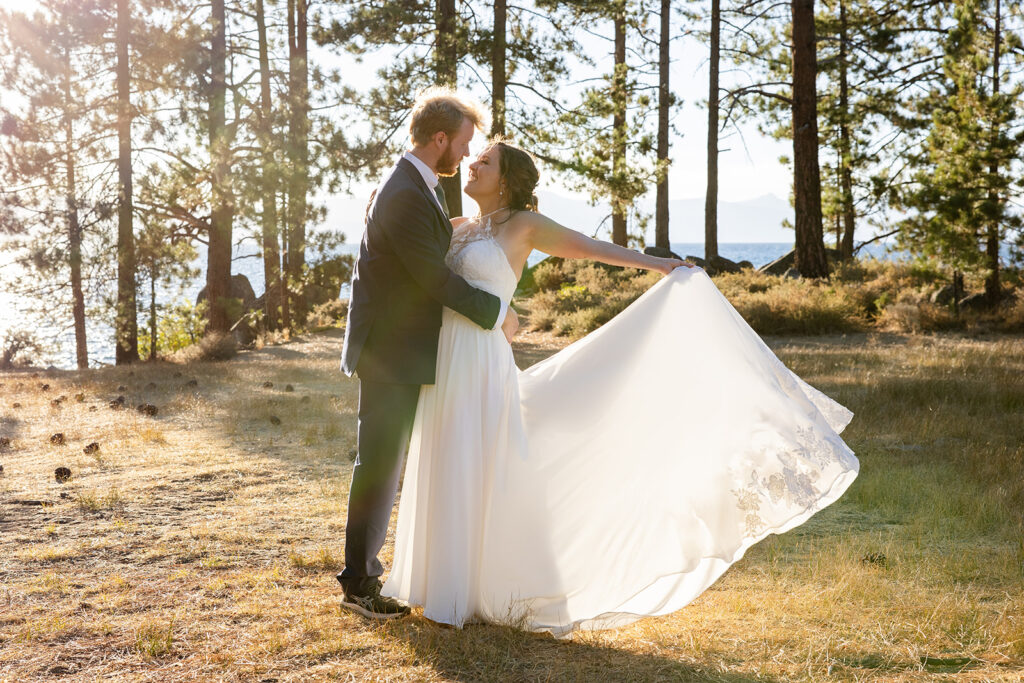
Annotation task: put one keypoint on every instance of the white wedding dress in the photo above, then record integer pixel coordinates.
(617, 479)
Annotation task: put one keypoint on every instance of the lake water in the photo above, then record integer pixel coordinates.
(59, 334)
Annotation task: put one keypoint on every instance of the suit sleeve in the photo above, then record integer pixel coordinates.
(412, 235)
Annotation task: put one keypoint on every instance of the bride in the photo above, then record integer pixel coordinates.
(620, 477)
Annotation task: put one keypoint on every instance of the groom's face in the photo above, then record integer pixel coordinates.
(457, 149)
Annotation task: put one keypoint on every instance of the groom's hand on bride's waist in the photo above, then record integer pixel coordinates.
(510, 325)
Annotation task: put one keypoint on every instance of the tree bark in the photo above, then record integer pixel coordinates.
(810, 245)
(619, 235)
(74, 226)
(711, 198)
(446, 60)
(126, 330)
(661, 236)
(299, 148)
(992, 287)
(845, 147)
(498, 76)
(273, 286)
(218, 268)
(152, 314)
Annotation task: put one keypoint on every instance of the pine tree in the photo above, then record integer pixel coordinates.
(126, 323)
(616, 162)
(711, 196)
(810, 245)
(661, 217)
(958, 201)
(515, 55)
(218, 266)
(59, 199)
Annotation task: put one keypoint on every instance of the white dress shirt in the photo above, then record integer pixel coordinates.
(431, 179)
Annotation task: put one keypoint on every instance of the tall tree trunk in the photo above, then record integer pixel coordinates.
(272, 288)
(218, 268)
(152, 313)
(286, 306)
(619, 235)
(661, 237)
(810, 245)
(992, 286)
(845, 147)
(299, 130)
(711, 198)
(446, 60)
(74, 226)
(498, 77)
(126, 330)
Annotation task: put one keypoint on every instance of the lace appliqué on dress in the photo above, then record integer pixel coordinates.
(473, 230)
(793, 483)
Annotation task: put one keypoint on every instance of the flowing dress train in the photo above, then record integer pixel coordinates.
(617, 479)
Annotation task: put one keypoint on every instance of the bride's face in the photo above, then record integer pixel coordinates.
(484, 177)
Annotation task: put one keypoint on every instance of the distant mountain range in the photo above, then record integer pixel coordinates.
(753, 220)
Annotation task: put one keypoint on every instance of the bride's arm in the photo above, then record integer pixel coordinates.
(558, 240)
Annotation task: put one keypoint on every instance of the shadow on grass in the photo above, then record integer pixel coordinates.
(498, 653)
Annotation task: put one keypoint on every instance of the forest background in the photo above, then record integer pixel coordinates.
(141, 139)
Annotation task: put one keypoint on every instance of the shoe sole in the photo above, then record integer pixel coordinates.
(359, 609)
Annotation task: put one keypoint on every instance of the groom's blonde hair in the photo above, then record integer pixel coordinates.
(440, 108)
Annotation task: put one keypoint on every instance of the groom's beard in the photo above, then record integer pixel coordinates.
(448, 164)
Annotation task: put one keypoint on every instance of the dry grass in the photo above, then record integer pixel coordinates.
(202, 543)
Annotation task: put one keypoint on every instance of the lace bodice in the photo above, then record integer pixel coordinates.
(475, 254)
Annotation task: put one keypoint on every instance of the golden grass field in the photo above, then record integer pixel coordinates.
(202, 543)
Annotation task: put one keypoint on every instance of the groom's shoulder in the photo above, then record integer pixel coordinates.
(398, 184)
(397, 179)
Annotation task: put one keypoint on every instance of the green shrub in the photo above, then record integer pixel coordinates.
(548, 274)
(180, 326)
(575, 297)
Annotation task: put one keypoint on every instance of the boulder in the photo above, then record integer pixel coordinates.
(661, 252)
(716, 265)
(780, 265)
(974, 302)
(788, 260)
(719, 264)
(240, 289)
(943, 296)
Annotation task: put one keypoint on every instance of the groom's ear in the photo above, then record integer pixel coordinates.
(439, 137)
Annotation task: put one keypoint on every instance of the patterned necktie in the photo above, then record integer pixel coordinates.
(440, 198)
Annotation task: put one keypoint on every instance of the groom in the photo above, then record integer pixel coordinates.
(399, 286)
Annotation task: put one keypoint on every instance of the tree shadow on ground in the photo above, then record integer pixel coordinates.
(498, 653)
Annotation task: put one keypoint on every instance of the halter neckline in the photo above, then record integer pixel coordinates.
(487, 215)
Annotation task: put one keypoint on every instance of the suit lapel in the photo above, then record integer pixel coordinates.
(411, 171)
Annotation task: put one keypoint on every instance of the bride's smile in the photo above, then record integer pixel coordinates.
(484, 177)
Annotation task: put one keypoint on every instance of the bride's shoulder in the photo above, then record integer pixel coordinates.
(526, 219)
(459, 220)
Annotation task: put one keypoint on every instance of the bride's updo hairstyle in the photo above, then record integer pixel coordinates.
(519, 170)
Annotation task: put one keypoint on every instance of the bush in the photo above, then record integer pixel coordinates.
(575, 297)
(213, 346)
(180, 327)
(20, 347)
(328, 314)
(548, 274)
(773, 304)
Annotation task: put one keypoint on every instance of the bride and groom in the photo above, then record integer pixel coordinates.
(617, 479)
